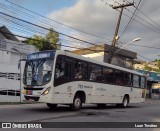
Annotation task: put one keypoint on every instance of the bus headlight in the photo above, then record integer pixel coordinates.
(46, 91)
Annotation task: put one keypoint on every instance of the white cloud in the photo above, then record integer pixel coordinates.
(94, 17)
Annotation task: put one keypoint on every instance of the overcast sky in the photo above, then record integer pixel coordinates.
(96, 17)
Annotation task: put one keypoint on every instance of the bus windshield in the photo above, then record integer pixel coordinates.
(37, 72)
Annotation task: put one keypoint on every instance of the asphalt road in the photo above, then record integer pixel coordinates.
(143, 112)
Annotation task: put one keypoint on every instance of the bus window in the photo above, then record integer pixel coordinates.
(63, 70)
(127, 79)
(78, 73)
(142, 82)
(68, 68)
(108, 75)
(60, 67)
(136, 81)
(95, 72)
(85, 71)
(119, 77)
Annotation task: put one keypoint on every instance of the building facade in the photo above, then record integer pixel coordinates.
(123, 58)
(11, 51)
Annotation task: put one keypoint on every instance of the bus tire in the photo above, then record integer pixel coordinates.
(101, 106)
(77, 103)
(125, 102)
(52, 106)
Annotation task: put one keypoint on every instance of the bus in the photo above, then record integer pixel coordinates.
(61, 77)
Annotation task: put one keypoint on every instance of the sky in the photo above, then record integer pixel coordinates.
(96, 17)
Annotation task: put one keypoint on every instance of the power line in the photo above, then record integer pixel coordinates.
(50, 42)
(147, 17)
(55, 20)
(39, 32)
(141, 56)
(19, 12)
(157, 48)
(134, 19)
(144, 19)
(144, 57)
(130, 20)
(46, 28)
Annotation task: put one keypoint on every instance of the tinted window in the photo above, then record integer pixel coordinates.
(60, 67)
(119, 77)
(108, 75)
(95, 72)
(127, 79)
(63, 67)
(78, 72)
(85, 71)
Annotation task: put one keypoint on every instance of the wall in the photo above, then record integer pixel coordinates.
(9, 72)
(2, 36)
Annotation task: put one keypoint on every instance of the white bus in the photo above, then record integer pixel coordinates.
(60, 77)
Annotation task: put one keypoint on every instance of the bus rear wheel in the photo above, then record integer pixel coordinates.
(125, 102)
(77, 103)
(51, 106)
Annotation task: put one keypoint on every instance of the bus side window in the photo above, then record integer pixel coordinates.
(119, 76)
(136, 81)
(127, 79)
(78, 72)
(85, 71)
(59, 68)
(95, 72)
(68, 69)
(108, 75)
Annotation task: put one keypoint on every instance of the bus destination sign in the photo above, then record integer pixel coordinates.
(40, 55)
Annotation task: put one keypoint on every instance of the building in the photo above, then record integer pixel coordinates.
(123, 58)
(6, 34)
(142, 65)
(153, 80)
(11, 50)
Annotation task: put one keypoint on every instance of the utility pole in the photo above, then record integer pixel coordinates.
(117, 28)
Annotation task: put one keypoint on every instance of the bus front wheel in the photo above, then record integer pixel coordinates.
(77, 103)
(51, 106)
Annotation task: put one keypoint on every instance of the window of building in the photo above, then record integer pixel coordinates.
(142, 82)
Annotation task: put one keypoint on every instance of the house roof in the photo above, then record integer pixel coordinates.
(106, 48)
(8, 34)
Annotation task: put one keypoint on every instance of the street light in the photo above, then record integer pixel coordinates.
(20, 70)
(134, 40)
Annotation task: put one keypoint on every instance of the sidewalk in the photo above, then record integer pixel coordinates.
(152, 101)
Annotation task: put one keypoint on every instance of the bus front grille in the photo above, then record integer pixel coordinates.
(31, 98)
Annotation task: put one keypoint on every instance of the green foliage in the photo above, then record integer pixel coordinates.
(147, 68)
(49, 42)
(151, 69)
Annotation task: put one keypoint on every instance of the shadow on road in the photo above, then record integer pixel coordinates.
(63, 108)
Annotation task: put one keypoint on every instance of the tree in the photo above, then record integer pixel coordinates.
(49, 42)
